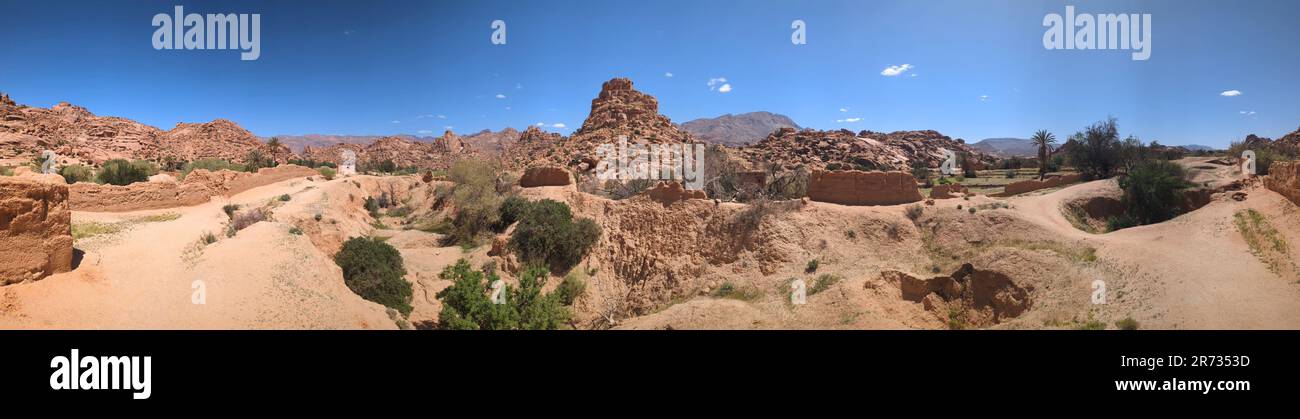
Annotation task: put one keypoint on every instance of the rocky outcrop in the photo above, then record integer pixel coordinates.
(976, 297)
(532, 146)
(854, 187)
(219, 139)
(35, 228)
(198, 188)
(545, 176)
(1017, 188)
(73, 132)
(1284, 178)
(667, 193)
(788, 148)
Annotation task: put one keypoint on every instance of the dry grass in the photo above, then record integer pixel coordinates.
(1265, 242)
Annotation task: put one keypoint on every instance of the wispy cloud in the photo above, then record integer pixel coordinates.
(849, 120)
(895, 70)
(726, 87)
(558, 125)
(424, 132)
(669, 74)
(396, 121)
(714, 82)
(500, 96)
(1230, 93)
(1247, 112)
(519, 86)
(984, 98)
(844, 109)
(349, 31)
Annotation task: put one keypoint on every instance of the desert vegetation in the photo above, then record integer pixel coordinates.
(467, 303)
(374, 270)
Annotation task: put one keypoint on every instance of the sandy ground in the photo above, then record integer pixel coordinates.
(1192, 272)
(145, 277)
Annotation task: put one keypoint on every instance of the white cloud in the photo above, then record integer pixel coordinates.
(448, 128)
(518, 86)
(844, 109)
(895, 70)
(349, 31)
(500, 96)
(668, 74)
(849, 120)
(714, 82)
(1247, 112)
(558, 125)
(540, 124)
(423, 116)
(984, 98)
(1230, 93)
(424, 132)
(507, 108)
(396, 121)
(726, 87)
(442, 116)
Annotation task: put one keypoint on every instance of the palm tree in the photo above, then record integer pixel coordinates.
(1044, 140)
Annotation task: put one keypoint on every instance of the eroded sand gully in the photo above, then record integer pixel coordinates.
(661, 267)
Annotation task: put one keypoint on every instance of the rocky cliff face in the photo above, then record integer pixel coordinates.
(619, 110)
(72, 132)
(221, 139)
(1284, 178)
(35, 228)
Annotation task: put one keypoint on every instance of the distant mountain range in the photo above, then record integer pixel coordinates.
(1007, 147)
(737, 130)
(485, 140)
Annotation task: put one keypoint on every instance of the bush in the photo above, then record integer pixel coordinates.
(77, 173)
(121, 172)
(812, 266)
(6, 171)
(210, 165)
(1153, 191)
(547, 234)
(230, 209)
(510, 211)
(285, 198)
(1120, 222)
(476, 199)
(914, 212)
(374, 270)
(823, 282)
(570, 289)
(327, 173)
(1127, 323)
(466, 304)
(256, 160)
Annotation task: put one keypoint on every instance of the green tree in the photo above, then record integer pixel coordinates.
(548, 235)
(1045, 141)
(1097, 151)
(1153, 190)
(467, 304)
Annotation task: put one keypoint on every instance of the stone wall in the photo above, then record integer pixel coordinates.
(198, 188)
(545, 176)
(35, 227)
(1284, 178)
(854, 187)
(947, 191)
(1017, 188)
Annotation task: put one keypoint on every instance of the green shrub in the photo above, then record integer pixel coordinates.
(121, 172)
(1153, 190)
(1096, 152)
(476, 200)
(548, 235)
(823, 282)
(295, 231)
(374, 270)
(466, 304)
(285, 198)
(1120, 222)
(256, 159)
(570, 289)
(1127, 323)
(914, 212)
(327, 173)
(210, 165)
(812, 266)
(511, 210)
(77, 173)
(6, 171)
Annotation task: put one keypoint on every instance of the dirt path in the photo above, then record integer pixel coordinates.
(145, 276)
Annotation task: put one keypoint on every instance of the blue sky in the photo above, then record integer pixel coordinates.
(977, 68)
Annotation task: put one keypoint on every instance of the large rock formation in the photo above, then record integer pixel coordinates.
(221, 139)
(863, 188)
(788, 148)
(35, 228)
(72, 132)
(618, 111)
(532, 146)
(545, 176)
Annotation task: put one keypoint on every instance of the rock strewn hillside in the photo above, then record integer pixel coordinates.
(866, 150)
